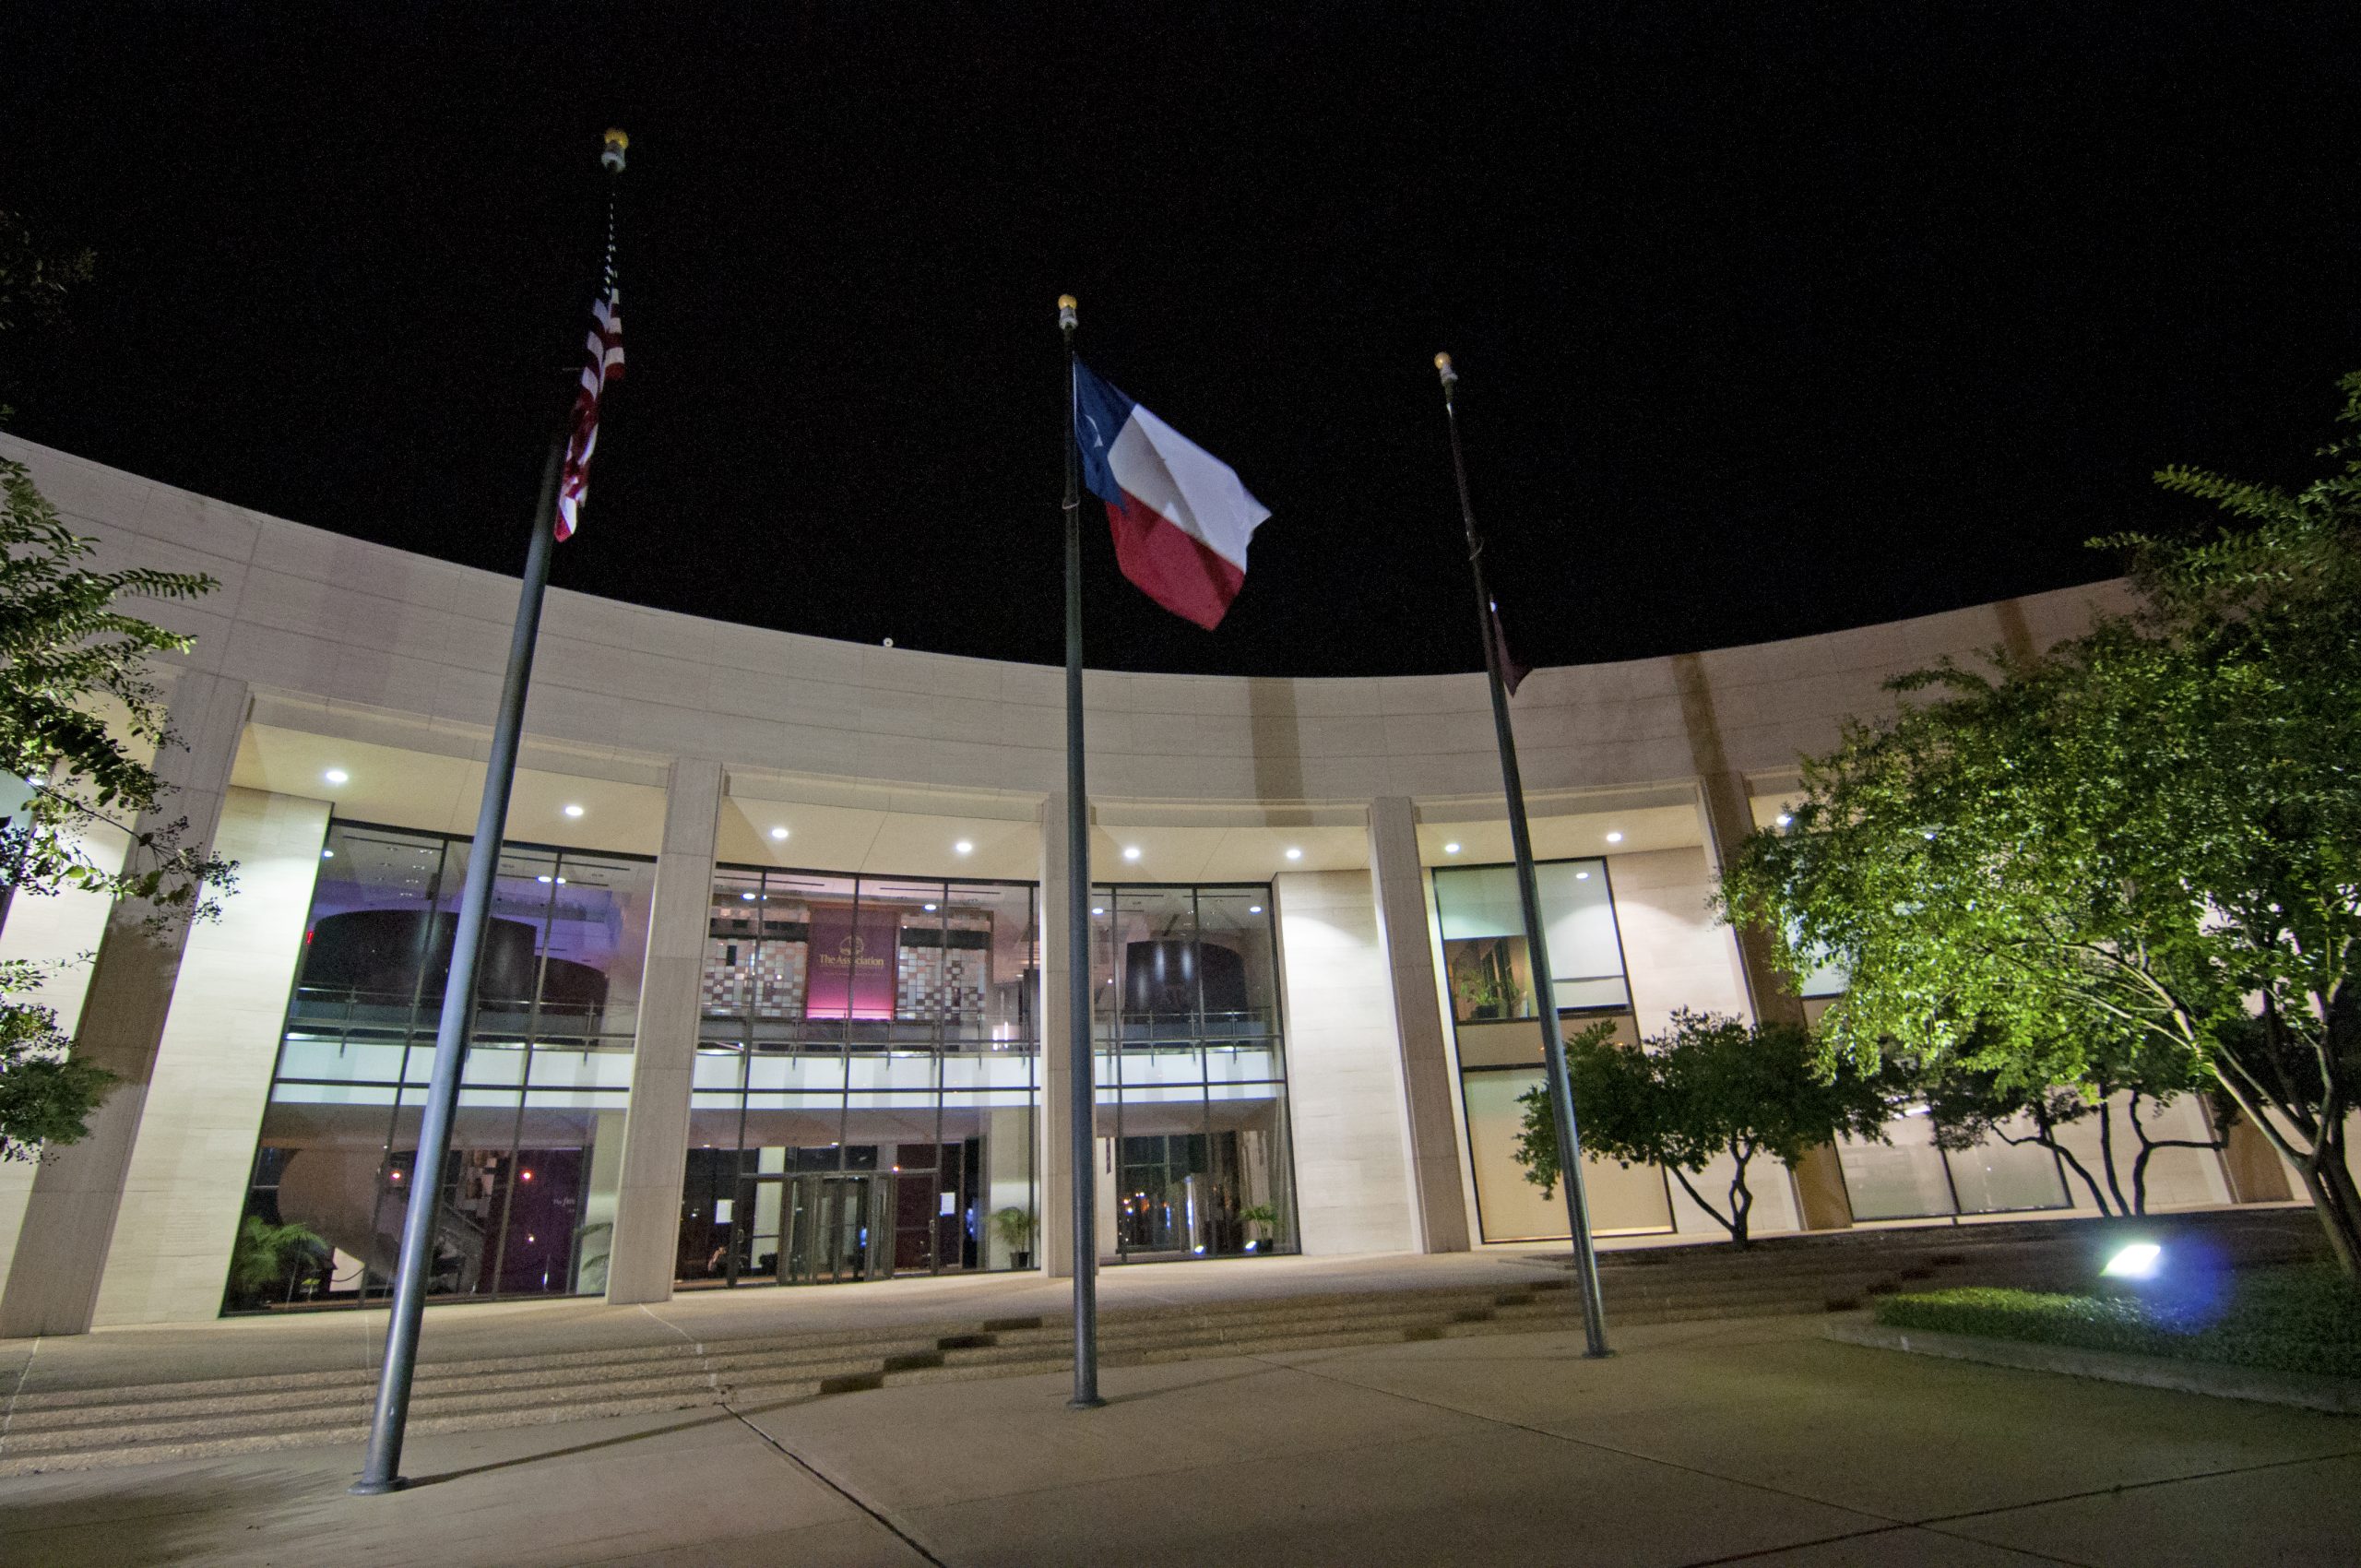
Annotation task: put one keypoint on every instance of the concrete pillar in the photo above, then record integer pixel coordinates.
(1055, 1254)
(1729, 816)
(1399, 883)
(185, 1192)
(59, 933)
(70, 1213)
(655, 1127)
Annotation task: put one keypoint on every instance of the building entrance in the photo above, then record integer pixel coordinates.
(819, 1227)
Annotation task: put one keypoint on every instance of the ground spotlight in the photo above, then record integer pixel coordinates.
(2141, 1260)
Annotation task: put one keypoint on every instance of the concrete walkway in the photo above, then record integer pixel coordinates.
(1756, 1440)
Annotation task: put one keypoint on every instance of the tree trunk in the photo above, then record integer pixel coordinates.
(2107, 1157)
(1738, 1233)
(1741, 1202)
(2326, 1180)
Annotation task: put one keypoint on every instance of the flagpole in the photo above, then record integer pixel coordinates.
(1082, 1105)
(1528, 887)
(381, 1470)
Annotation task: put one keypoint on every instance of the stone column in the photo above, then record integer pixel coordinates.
(655, 1127)
(70, 1215)
(185, 1190)
(1055, 1236)
(1729, 816)
(1428, 1088)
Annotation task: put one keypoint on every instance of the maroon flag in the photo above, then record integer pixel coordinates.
(1511, 672)
(606, 349)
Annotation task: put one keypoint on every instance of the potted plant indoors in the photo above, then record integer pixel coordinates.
(1263, 1222)
(1013, 1227)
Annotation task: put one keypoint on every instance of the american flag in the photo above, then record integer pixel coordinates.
(606, 365)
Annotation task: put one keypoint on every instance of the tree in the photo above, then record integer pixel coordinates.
(81, 720)
(2154, 830)
(1706, 1087)
(1966, 1106)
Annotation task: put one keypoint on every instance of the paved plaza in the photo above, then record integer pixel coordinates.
(1755, 1440)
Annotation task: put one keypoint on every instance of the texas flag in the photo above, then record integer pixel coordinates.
(1181, 518)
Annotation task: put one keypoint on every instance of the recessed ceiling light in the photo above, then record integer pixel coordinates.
(929, 908)
(1582, 877)
(1098, 912)
(779, 835)
(336, 775)
(540, 879)
(328, 854)
(963, 848)
(1782, 820)
(574, 811)
(1615, 838)
(1131, 852)
(1253, 908)
(1451, 848)
(748, 896)
(1294, 853)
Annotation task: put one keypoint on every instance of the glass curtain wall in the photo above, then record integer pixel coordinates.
(1496, 1004)
(528, 1194)
(865, 1084)
(1913, 1177)
(1191, 1074)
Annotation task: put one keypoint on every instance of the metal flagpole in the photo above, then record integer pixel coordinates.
(380, 1470)
(1082, 1154)
(1553, 1040)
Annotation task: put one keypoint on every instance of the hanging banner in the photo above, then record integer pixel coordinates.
(852, 960)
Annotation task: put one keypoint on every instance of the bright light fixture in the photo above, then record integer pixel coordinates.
(1615, 838)
(1131, 852)
(1253, 908)
(779, 835)
(1294, 853)
(1782, 820)
(1098, 912)
(541, 879)
(328, 854)
(1451, 848)
(574, 811)
(1582, 877)
(929, 908)
(336, 775)
(2138, 1261)
(963, 848)
(748, 896)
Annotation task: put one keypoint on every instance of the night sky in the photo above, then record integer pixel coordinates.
(1773, 318)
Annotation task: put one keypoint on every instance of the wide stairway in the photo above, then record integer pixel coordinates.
(94, 1427)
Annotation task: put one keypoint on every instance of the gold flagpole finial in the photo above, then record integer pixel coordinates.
(1065, 312)
(616, 145)
(1443, 368)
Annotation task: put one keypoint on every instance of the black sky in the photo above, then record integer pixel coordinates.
(1774, 318)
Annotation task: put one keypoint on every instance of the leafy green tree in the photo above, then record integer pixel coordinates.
(81, 722)
(2155, 828)
(1967, 1106)
(1706, 1087)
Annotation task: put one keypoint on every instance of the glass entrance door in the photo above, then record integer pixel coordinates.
(817, 1227)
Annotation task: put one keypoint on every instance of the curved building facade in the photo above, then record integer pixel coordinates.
(768, 983)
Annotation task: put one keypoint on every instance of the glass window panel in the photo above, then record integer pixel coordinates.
(1995, 1177)
(1236, 972)
(1903, 1180)
(1578, 917)
(596, 946)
